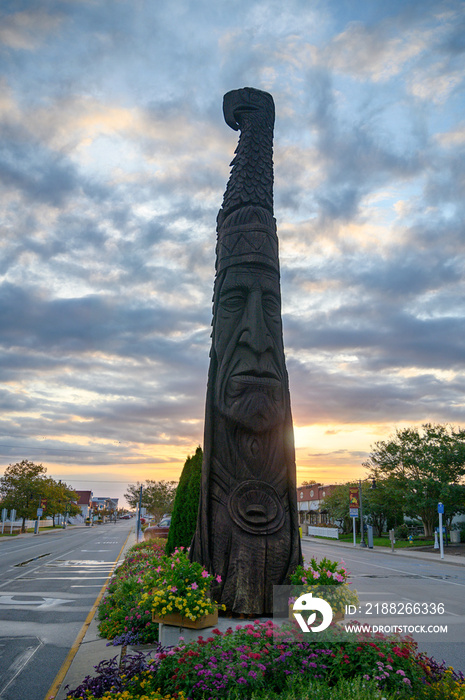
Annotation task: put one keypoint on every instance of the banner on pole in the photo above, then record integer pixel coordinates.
(354, 497)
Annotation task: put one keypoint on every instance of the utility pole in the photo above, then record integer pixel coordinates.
(138, 533)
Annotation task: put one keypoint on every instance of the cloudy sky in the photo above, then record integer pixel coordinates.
(114, 157)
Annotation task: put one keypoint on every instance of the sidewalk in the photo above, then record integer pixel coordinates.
(92, 649)
(8, 538)
(456, 559)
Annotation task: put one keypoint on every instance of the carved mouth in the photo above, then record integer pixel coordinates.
(265, 378)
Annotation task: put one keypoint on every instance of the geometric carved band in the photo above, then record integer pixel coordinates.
(248, 235)
(249, 243)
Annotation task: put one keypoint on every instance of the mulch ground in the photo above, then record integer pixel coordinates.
(454, 549)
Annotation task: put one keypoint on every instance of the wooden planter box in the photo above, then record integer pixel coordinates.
(177, 620)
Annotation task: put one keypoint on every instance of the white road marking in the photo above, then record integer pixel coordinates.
(42, 603)
(65, 578)
(19, 663)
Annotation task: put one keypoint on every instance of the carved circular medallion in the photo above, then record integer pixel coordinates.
(256, 508)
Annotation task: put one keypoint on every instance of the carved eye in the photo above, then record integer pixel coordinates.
(234, 301)
(271, 304)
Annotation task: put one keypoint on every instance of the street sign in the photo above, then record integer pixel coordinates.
(4, 517)
(441, 534)
(40, 512)
(353, 512)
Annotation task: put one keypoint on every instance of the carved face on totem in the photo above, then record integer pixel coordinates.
(247, 341)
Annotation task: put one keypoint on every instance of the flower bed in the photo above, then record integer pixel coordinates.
(124, 617)
(254, 661)
(150, 582)
(326, 579)
(260, 660)
(178, 585)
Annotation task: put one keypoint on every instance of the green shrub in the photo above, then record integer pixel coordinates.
(402, 532)
(186, 504)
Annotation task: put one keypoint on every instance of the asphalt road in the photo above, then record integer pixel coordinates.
(48, 586)
(397, 580)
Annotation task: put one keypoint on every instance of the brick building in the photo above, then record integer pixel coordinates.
(309, 503)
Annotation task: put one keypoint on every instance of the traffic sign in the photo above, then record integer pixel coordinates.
(40, 512)
(440, 507)
(353, 512)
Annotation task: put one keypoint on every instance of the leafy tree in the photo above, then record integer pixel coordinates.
(381, 507)
(157, 496)
(337, 505)
(24, 486)
(60, 499)
(310, 482)
(426, 466)
(21, 487)
(186, 504)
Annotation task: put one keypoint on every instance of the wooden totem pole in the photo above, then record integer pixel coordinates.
(247, 528)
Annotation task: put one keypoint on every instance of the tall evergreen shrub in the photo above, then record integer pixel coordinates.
(186, 504)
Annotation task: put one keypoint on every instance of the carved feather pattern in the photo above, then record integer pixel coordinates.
(251, 180)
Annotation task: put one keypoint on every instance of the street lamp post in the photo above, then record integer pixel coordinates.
(362, 526)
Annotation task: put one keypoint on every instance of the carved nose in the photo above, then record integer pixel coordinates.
(254, 331)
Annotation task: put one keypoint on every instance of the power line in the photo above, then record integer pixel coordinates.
(89, 481)
(51, 449)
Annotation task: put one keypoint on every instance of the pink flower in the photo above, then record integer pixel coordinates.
(173, 589)
(194, 586)
(218, 578)
(205, 574)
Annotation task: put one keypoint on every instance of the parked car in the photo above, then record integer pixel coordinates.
(161, 530)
